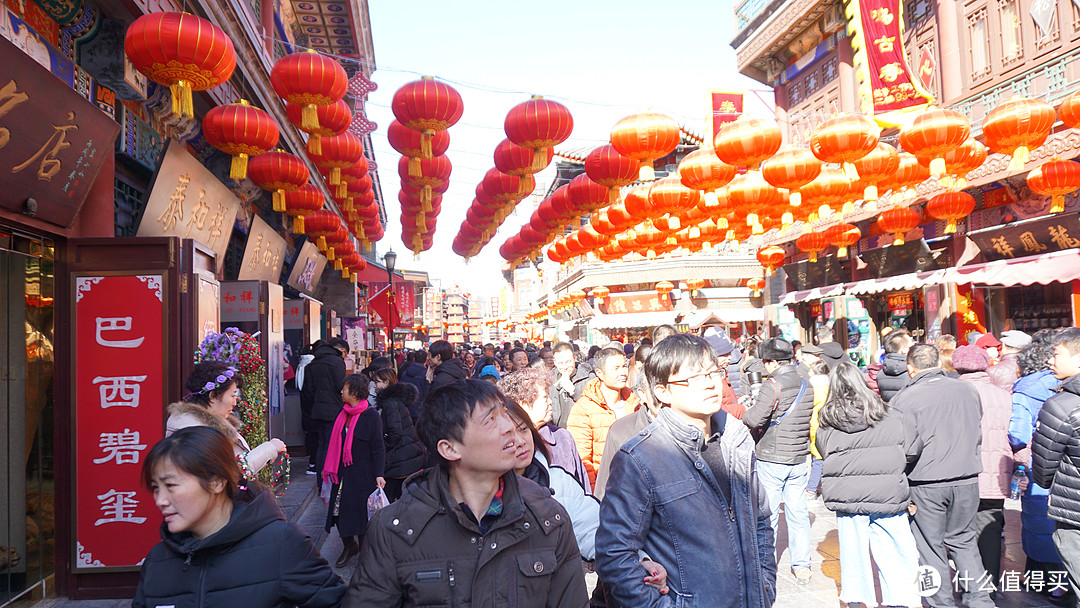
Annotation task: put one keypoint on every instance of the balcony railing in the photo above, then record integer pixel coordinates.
(747, 11)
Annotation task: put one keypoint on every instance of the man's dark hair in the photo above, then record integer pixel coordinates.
(1069, 339)
(489, 346)
(409, 356)
(446, 411)
(419, 357)
(670, 354)
(895, 340)
(506, 346)
(547, 343)
(646, 342)
(516, 351)
(442, 349)
(850, 399)
(357, 385)
(1035, 357)
(562, 346)
(593, 350)
(379, 363)
(605, 354)
(663, 331)
(340, 344)
(641, 354)
(545, 351)
(796, 344)
(923, 356)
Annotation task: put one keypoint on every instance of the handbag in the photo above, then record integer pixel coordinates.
(375, 501)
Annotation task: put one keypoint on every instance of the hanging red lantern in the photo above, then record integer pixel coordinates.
(408, 143)
(427, 106)
(933, 134)
(605, 166)
(355, 179)
(278, 171)
(963, 160)
(879, 164)
(508, 190)
(538, 124)
(663, 288)
(844, 139)
(830, 188)
(752, 195)
(843, 235)
(181, 51)
(756, 285)
(812, 242)
(302, 202)
(334, 119)
(898, 221)
(434, 172)
(1018, 126)
(321, 224)
(771, 257)
(702, 170)
(951, 206)
(338, 152)
(513, 159)
(1055, 178)
(669, 195)
(240, 130)
(587, 195)
(747, 142)
(600, 291)
(695, 284)
(791, 168)
(1069, 110)
(645, 137)
(910, 173)
(309, 80)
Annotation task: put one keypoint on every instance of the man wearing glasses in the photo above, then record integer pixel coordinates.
(684, 492)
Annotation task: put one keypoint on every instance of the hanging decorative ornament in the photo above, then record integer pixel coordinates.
(538, 124)
(961, 161)
(756, 285)
(845, 139)
(278, 171)
(879, 164)
(321, 224)
(1069, 110)
(747, 142)
(334, 119)
(669, 195)
(812, 243)
(309, 80)
(239, 130)
(181, 51)
(909, 174)
(933, 134)
(701, 170)
(843, 235)
(600, 291)
(898, 221)
(607, 167)
(771, 257)
(791, 168)
(338, 152)
(302, 202)
(427, 106)
(409, 143)
(1018, 126)
(951, 207)
(1055, 178)
(663, 288)
(645, 137)
(588, 196)
(520, 161)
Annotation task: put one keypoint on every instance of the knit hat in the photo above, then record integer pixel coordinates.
(775, 349)
(987, 341)
(720, 344)
(832, 354)
(489, 370)
(1014, 338)
(970, 359)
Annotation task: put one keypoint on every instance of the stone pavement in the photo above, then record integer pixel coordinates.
(303, 506)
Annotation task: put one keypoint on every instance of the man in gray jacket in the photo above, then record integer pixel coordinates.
(946, 415)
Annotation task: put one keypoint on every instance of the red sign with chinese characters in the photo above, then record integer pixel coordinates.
(726, 107)
(891, 82)
(618, 304)
(239, 301)
(379, 305)
(119, 396)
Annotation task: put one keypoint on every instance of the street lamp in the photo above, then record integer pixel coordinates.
(390, 260)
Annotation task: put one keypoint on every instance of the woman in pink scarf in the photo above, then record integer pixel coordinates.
(354, 465)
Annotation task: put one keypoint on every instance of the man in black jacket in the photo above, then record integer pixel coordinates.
(946, 414)
(415, 373)
(780, 420)
(323, 379)
(893, 374)
(1056, 451)
(446, 367)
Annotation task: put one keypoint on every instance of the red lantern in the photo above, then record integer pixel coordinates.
(669, 195)
(240, 130)
(587, 195)
(427, 106)
(302, 202)
(909, 174)
(278, 171)
(1055, 178)
(702, 170)
(663, 288)
(791, 168)
(513, 159)
(507, 189)
(898, 221)
(538, 124)
(309, 80)
(1018, 126)
(1069, 110)
(181, 51)
(747, 142)
(338, 152)
(845, 139)
(752, 195)
(645, 137)
(961, 161)
(831, 187)
(756, 285)
(605, 166)
(812, 243)
(410, 143)
(433, 172)
(951, 206)
(771, 257)
(879, 164)
(933, 134)
(601, 292)
(843, 235)
(321, 224)
(334, 119)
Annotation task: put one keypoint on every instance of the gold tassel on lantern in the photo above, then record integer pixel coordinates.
(646, 173)
(898, 238)
(950, 227)
(1020, 158)
(795, 199)
(841, 251)
(937, 167)
(722, 223)
(345, 273)
(298, 224)
(673, 223)
(353, 277)
(414, 167)
(279, 200)
(309, 117)
(425, 198)
(425, 142)
(182, 104)
(337, 260)
(321, 244)
(335, 176)
(851, 173)
(330, 254)
(870, 193)
(539, 160)
(342, 190)
(1057, 203)
(786, 220)
(238, 169)
(314, 144)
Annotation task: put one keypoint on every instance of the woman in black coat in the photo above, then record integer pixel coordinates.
(354, 464)
(224, 544)
(405, 453)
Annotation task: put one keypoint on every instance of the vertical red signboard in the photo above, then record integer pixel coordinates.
(119, 399)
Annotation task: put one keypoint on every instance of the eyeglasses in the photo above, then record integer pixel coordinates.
(699, 379)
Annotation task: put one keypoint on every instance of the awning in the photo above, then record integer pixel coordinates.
(902, 282)
(812, 294)
(633, 319)
(1063, 266)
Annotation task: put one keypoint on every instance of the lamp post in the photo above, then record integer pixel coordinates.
(390, 260)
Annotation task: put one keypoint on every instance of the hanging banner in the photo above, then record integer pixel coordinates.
(886, 83)
(381, 313)
(119, 391)
(724, 107)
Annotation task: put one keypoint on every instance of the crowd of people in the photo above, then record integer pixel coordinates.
(663, 466)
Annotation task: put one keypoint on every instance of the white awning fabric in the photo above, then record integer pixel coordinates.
(903, 282)
(793, 297)
(1063, 266)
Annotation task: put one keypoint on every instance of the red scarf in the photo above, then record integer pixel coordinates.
(335, 455)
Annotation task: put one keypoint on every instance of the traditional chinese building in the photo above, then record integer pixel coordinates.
(124, 240)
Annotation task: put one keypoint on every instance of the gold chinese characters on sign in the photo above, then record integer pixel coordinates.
(264, 253)
(189, 202)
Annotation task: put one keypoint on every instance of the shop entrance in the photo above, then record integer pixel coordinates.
(27, 451)
(1030, 308)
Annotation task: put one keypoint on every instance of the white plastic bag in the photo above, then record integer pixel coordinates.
(376, 501)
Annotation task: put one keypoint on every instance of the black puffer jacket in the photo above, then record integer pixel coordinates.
(448, 372)
(323, 379)
(405, 452)
(1056, 452)
(258, 560)
(893, 376)
(734, 374)
(787, 441)
(863, 469)
(416, 375)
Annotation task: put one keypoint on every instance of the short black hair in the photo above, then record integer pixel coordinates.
(380, 363)
(606, 353)
(446, 411)
(339, 344)
(546, 351)
(562, 346)
(646, 342)
(895, 339)
(442, 349)
(663, 331)
(419, 357)
(516, 351)
(671, 353)
(923, 356)
(1070, 339)
(357, 385)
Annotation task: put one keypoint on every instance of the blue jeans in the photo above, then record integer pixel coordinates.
(787, 483)
(889, 538)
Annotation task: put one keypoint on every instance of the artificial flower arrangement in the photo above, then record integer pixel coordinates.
(241, 351)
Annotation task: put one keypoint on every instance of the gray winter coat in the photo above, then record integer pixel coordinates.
(893, 376)
(782, 439)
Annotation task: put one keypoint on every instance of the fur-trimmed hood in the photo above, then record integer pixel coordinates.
(183, 414)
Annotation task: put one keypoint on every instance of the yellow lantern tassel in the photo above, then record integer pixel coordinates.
(279, 200)
(335, 176)
(309, 118)
(425, 198)
(847, 208)
(870, 193)
(751, 219)
(414, 167)
(712, 201)
(898, 238)
(960, 183)
(757, 229)
(950, 227)
(1020, 158)
(813, 257)
(946, 181)
(937, 167)
(238, 168)
(321, 244)
(352, 277)
(841, 252)
(345, 273)
(795, 199)
(539, 160)
(851, 173)
(298, 224)
(646, 173)
(1057, 203)
(722, 223)
(314, 144)
(336, 258)
(695, 233)
(786, 220)
(425, 143)
(673, 223)
(342, 190)
(182, 104)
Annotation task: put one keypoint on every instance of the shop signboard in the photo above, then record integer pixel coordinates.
(264, 253)
(209, 307)
(970, 311)
(828, 270)
(1054, 233)
(640, 302)
(53, 141)
(354, 331)
(307, 269)
(119, 365)
(877, 36)
(189, 202)
(239, 301)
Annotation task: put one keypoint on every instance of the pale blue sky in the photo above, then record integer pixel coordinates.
(603, 60)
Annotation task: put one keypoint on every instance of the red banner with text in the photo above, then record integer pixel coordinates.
(725, 107)
(892, 85)
(119, 396)
(379, 304)
(618, 304)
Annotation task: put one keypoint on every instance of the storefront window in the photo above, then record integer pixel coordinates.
(27, 523)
